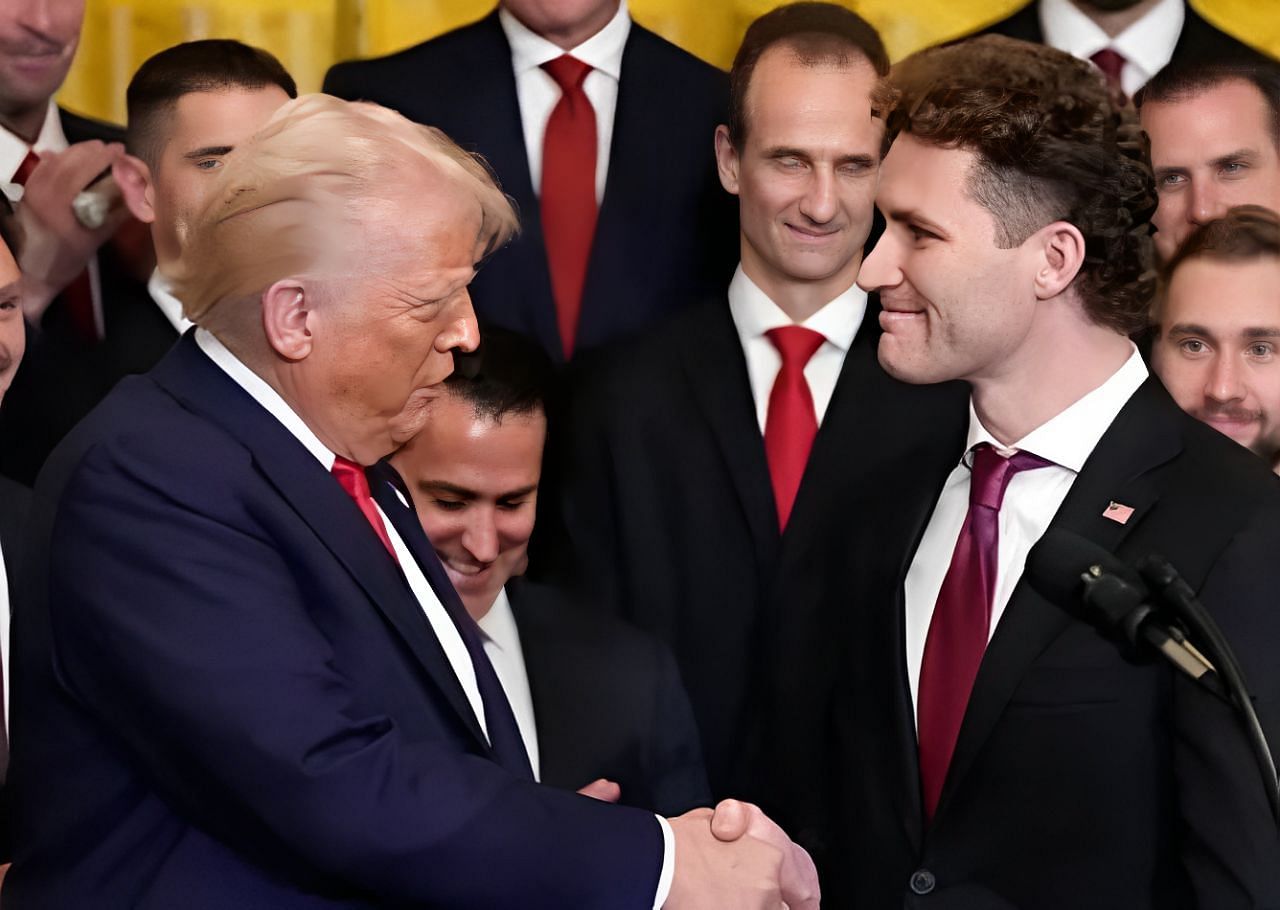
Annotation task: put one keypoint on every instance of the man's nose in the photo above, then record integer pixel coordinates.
(819, 203)
(1224, 380)
(480, 539)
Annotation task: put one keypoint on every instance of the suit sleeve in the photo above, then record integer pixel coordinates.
(1232, 845)
(179, 623)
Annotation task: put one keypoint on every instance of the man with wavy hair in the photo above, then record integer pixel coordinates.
(995, 751)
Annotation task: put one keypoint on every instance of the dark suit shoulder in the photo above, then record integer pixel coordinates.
(1219, 467)
(81, 129)
(410, 70)
(1023, 25)
(674, 59)
(559, 621)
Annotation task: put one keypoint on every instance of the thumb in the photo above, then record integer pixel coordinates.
(730, 820)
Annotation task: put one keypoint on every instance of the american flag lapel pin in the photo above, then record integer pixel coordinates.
(1118, 512)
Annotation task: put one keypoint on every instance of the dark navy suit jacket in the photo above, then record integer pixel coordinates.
(227, 697)
(667, 232)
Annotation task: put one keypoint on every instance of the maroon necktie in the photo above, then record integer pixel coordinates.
(1112, 65)
(353, 480)
(961, 621)
(569, 192)
(78, 295)
(791, 423)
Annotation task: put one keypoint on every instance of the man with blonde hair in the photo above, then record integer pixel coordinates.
(243, 677)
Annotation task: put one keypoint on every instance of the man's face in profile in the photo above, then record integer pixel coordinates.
(1218, 351)
(1210, 152)
(13, 339)
(474, 482)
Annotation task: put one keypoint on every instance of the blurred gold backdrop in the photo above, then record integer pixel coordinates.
(309, 35)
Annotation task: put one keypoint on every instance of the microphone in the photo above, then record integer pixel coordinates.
(1092, 585)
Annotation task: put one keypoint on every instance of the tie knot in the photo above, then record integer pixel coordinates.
(1111, 63)
(352, 478)
(567, 71)
(993, 471)
(795, 343)
(24, 170)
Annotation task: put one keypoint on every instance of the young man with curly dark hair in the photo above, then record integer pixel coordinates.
(994, 751)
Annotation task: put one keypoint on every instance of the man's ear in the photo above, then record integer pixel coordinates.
(726, 160)
(1061, 246)
(286, 317)
(134, 179)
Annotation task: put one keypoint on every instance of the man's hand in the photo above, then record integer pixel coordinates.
(604, 790)
(737, 858)
(799, 878)
(56, 246)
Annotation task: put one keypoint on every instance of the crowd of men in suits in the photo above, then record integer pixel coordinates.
(330, 595)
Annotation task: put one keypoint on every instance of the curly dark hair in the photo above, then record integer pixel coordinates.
(1052, 144)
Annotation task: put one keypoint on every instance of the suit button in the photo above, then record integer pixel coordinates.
(922, 881)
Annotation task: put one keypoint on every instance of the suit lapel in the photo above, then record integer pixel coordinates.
(318, 499)
(1122, 468)
(712, 357)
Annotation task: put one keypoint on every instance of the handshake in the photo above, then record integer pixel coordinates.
(735, 857)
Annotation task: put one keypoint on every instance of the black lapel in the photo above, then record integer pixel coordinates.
(1123, 469)
(712, 356)
(495, 126)
(541, 668)
(319, 500)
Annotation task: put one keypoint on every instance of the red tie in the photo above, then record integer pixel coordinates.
(791, 423)
(569, 192)
(961, 620)
(78, 295)
(352, 478)
(1112, 65)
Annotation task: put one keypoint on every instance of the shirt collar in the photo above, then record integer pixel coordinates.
(264, 395)
(754, 313)
(161, 292)
(499, 625)
(1069, 438)
(1148, 43)
(14, 149)
(602, 51)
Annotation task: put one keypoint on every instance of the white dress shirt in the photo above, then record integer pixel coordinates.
(441, 624)
(13, 151)
(161, 292)
(1030, 502)
(1146, 45)
(538, 93)
(754, 314)
(502, 645)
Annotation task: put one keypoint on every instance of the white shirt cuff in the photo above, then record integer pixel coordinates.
(668, 864)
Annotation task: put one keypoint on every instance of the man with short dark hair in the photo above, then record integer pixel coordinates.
(594, 698)
(992, 750)
(704, 468)
(601, 132)
(1215, 142)
(189, 107)
(1217, 328)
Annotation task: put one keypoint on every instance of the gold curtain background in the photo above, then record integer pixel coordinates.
(309, 35)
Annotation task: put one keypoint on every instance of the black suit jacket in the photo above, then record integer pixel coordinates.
(1199, 40)
(670, 518)
(608, 702)
(1080, 778)
(667, 232)
(62, 377)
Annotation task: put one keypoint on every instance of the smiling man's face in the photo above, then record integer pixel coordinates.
(806, 173)
(474, 482)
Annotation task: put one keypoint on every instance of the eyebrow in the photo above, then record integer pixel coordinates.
(913, 216)
(1189, 328)
(210, 151)
(783, 151)
(442, 486)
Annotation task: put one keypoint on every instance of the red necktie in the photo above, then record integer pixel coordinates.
(1112, 65)
(569, 192)
(961, 621)
(78, 295)
(353, 480)
(790, 423)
